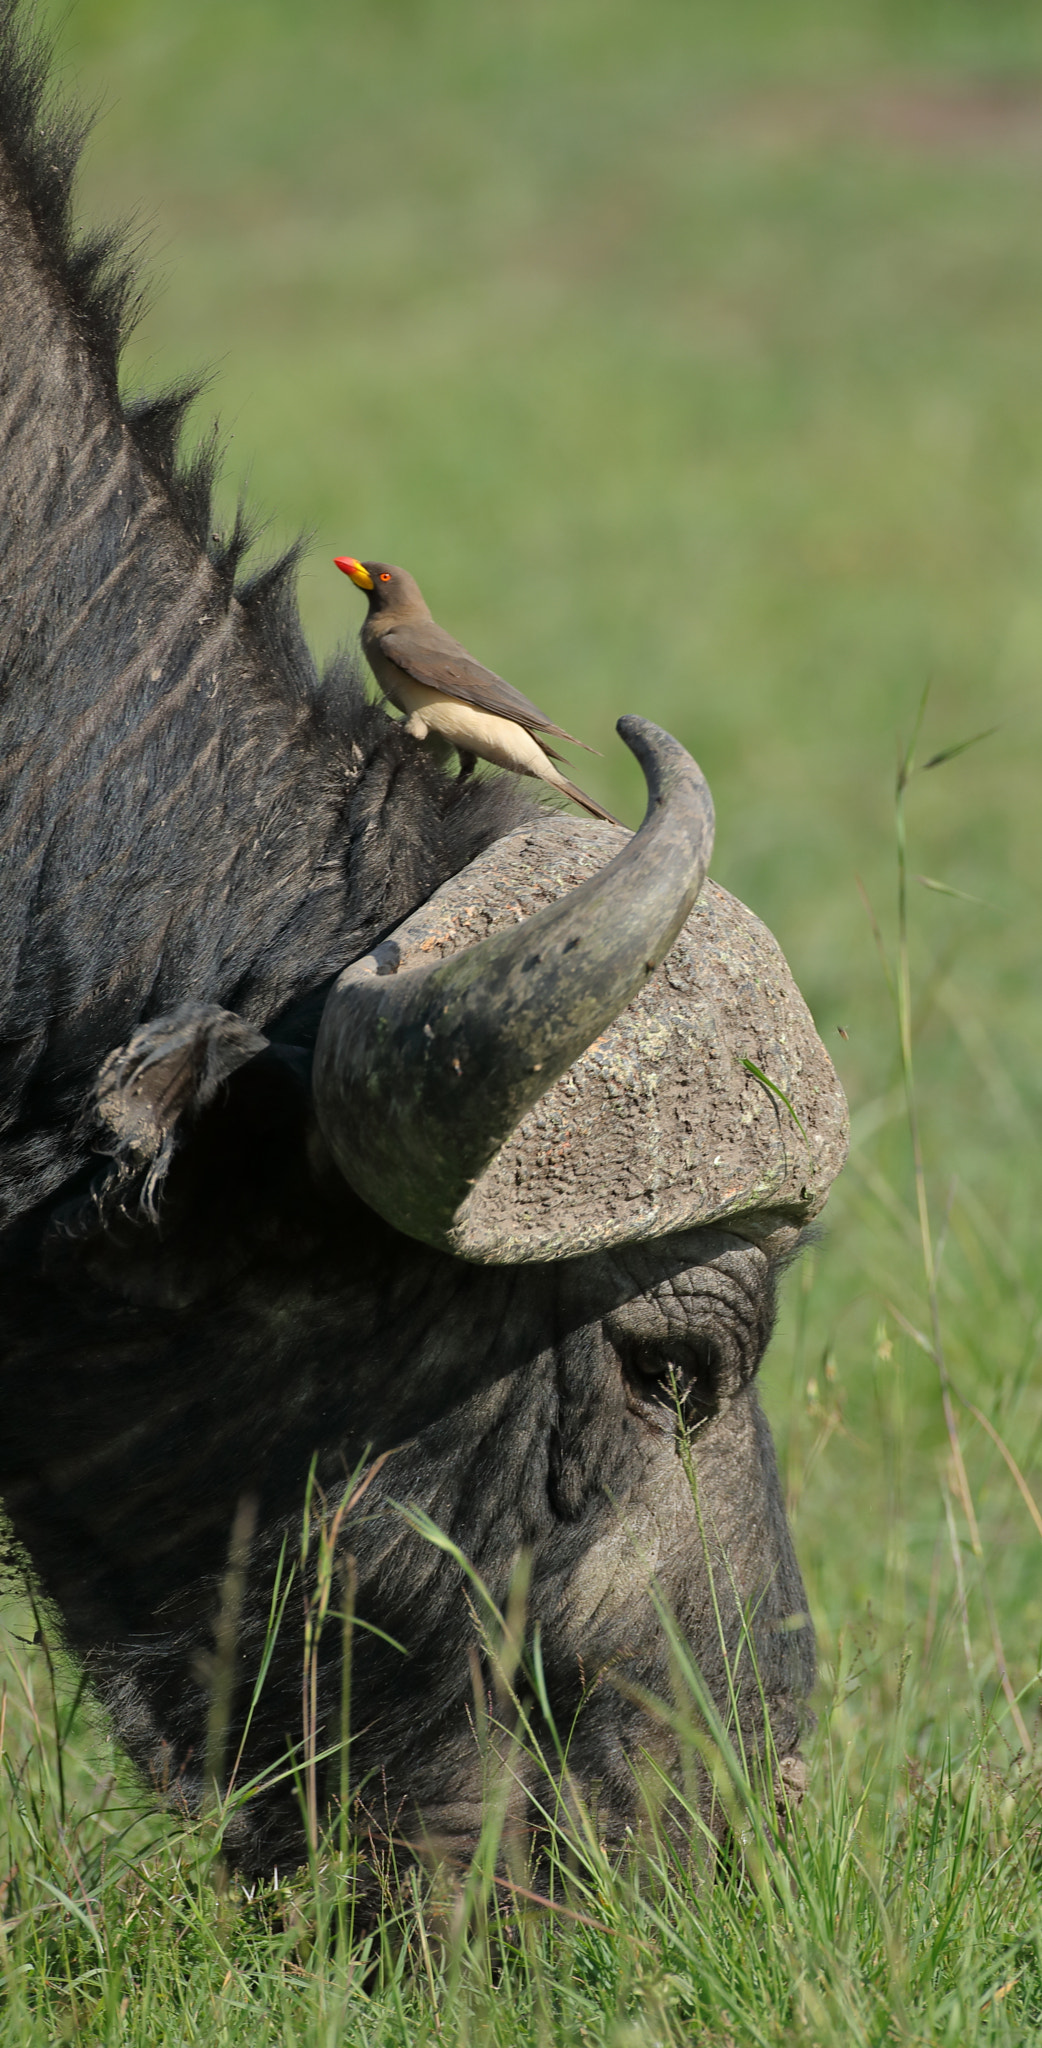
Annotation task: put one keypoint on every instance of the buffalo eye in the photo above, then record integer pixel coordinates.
(658, 1386)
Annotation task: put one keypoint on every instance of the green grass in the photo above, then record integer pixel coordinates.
(689, 357)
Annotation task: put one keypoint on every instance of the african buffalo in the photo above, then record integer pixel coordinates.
(364, 1131)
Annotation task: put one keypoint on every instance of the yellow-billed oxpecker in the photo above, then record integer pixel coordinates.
(444, 692)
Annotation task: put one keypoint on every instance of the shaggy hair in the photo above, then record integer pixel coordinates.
(186, 808)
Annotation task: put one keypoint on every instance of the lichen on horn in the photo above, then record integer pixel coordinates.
(422, 1071)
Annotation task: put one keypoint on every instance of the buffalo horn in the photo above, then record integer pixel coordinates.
(421, 1075)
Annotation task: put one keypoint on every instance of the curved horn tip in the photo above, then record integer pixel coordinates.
(634, 730)
(654, 747)
(666, 764)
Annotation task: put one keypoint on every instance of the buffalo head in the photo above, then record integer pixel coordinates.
(375, 1152)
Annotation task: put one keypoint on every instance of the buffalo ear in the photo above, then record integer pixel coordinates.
(150, 1091)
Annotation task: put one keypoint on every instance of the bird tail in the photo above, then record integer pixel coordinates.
(587, 802)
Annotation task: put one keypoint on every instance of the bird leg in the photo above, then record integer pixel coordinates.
(418, 728)
(467, 763)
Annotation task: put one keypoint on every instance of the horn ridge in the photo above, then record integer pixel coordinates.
(421, 1074)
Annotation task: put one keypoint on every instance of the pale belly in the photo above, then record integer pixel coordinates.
(494, 739)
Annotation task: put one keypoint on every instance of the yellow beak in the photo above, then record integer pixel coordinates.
(355, 570)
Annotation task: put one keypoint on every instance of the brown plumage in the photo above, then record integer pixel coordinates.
(443, 691)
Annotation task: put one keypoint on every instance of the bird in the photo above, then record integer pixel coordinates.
(445, 693)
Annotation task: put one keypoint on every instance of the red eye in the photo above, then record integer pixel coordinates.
(385, 575)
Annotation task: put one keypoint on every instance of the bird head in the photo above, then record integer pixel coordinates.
(387, 588)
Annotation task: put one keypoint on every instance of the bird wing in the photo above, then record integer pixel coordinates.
(430, 655)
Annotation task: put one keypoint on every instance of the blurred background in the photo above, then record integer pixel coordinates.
(690, 356)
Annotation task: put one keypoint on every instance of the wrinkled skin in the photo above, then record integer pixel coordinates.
(529, 1410)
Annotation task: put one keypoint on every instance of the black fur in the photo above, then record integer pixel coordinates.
(197, 834)
(183, 809)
